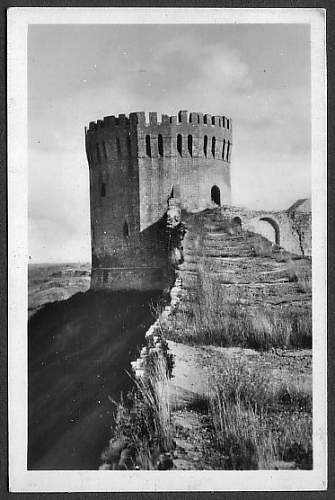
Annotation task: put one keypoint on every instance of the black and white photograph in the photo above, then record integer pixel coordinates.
(167, 249)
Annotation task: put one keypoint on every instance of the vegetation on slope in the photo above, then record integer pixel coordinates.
(255, 424)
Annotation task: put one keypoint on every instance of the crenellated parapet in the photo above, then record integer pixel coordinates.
(136, 135)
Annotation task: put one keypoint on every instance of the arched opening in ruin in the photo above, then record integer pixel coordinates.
(213, 146)
(148, 146)
(205, 145)
(190, 144)
(125, 230)
(179, 144)
(160, 145)
(215, 195)
(273, 233)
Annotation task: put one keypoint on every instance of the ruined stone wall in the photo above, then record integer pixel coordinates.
(290, 230)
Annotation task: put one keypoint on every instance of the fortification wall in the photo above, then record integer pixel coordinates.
(186, 154)
(290, 230)
(123, 257)
(135, 166)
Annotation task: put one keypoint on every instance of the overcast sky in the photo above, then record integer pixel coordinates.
(257, 74)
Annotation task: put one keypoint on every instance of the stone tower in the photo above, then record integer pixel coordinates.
(135, 167)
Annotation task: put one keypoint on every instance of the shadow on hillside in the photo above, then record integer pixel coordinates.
(78, 352)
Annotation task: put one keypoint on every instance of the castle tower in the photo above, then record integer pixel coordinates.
(135, 167)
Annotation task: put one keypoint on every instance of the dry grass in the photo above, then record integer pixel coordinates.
(143, 423)
(214, 317)
(256, 425)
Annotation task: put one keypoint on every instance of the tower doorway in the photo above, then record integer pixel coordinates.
(215, 195)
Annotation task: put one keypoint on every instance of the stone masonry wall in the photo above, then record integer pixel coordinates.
(135, 167)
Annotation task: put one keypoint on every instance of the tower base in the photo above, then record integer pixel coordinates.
(134, 278)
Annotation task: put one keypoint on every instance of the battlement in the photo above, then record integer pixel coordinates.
(140, 118)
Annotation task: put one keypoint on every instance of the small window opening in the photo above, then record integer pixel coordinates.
(103, 189)
(223, 149)
(125, 230)
(205, 144)
(148, 145)
(213, 120)
(213, 146)
(180, 144)
(98, 153)
(104, 149)
(118, 147)
(190, 144)
(205, 119)
(160, 145)
(228, 151)
(128, 146)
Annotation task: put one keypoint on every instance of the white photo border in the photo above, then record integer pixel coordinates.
(23, 480)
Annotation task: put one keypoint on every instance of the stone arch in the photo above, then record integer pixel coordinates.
(215, 195)
(274, 224)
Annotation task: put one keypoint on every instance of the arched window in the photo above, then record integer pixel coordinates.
(104, 149)
(128, 146)
(160, 145)
(103, 189)
(180, 144)
(205, 145)
(228, 151)
(118, 147)
(224, 149)
(205, 119)
(213, 146)
(213, 120)
(190, 144)
(98, 153)
(148, 145)
(125, 230)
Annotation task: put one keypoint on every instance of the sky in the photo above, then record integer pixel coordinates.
(259, 75)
